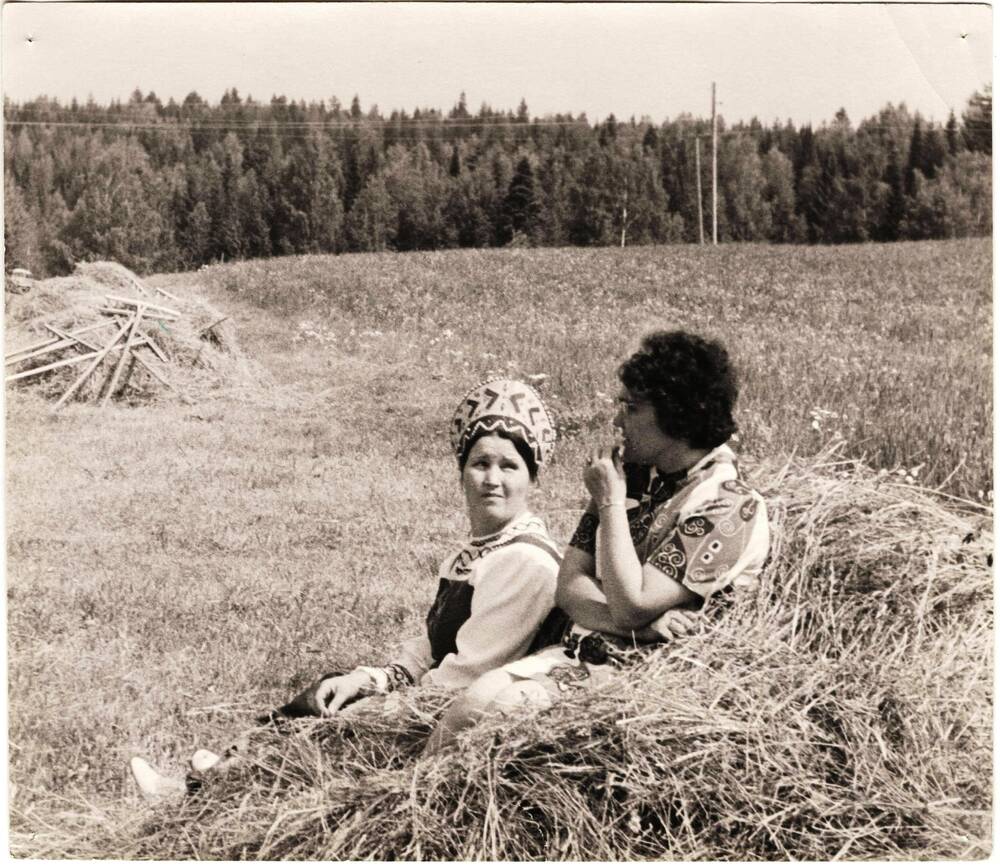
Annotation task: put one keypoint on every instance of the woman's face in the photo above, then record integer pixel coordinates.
(644, 442)
(496, 483)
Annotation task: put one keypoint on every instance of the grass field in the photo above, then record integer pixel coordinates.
(171, 568)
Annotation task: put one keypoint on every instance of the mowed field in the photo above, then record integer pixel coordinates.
(171, 568)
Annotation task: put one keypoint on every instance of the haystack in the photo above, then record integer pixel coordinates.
(184, 348)
(113, 275)
(814, 720)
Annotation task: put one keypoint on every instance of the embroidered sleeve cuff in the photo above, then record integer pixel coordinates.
(379, 677)
(388, 679)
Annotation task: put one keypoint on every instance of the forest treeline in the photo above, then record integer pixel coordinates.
(170, 186)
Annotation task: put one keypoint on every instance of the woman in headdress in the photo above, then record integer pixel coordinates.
(671, 523)
(496, 592)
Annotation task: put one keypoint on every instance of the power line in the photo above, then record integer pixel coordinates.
(101, 121)
(214, 126)
(308, 124)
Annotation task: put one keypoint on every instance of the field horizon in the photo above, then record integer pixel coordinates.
(179, 566)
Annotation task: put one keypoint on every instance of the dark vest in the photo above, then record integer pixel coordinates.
(453, 605)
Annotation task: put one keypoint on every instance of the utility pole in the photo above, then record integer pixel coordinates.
(715, 175)
(624, 214)
(697, 172)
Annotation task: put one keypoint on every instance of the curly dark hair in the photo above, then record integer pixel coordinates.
(690, 382)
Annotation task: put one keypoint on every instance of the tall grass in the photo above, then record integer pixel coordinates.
(888, 347)
(173, 568)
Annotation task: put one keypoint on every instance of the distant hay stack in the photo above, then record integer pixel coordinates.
(112, 275)
(813, 720)
(187, 354)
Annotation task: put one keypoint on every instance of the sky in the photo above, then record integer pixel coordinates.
(774, 61)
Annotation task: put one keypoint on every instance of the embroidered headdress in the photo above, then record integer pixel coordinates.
(508, 405)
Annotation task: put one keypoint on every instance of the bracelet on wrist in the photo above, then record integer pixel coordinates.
(609, 505)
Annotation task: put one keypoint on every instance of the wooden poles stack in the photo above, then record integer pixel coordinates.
(128, 315)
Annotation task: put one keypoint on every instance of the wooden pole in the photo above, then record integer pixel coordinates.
(125, 353)
(67, 361)
(97, 360)
(159, 316)
(156, 349)
(49, 343)
(49, 347)
(128, 371)
(62, 334)
(697, 171)
(128, 301)
(213, 324)
(715, 174)
(145, 365)
(160, 378)
(163, 291)
(28, 350)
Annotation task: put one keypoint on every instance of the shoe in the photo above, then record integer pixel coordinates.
(203, 760)
(154, 786)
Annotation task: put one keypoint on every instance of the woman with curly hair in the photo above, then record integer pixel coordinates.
(670, 523)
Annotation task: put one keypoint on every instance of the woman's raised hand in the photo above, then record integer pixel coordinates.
(333, 693)
(604, 477)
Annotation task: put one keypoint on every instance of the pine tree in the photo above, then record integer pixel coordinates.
(916, 158)
(22, 243)
(977, 121)
(933, 152)
(461, 110)
(520, 206)
(197, 239)
(896, 204)
(228, 218)
(951, 134)
(608, 131)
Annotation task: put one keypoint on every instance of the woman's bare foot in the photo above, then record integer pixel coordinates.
(154, 786)
(204, 760)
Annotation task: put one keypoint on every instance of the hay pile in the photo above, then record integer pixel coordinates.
(842, 712)
(111, 274)
(201, 351)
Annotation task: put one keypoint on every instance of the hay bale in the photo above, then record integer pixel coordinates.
(843, 711)
(200, 363)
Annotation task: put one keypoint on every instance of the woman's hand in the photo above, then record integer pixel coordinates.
(604, 477)
(675, 623)
(332, 694)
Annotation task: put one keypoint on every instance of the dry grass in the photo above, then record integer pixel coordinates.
(179, 567)
(199, 361)
(814, 722)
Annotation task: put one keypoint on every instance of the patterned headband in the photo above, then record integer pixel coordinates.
(508, 405)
